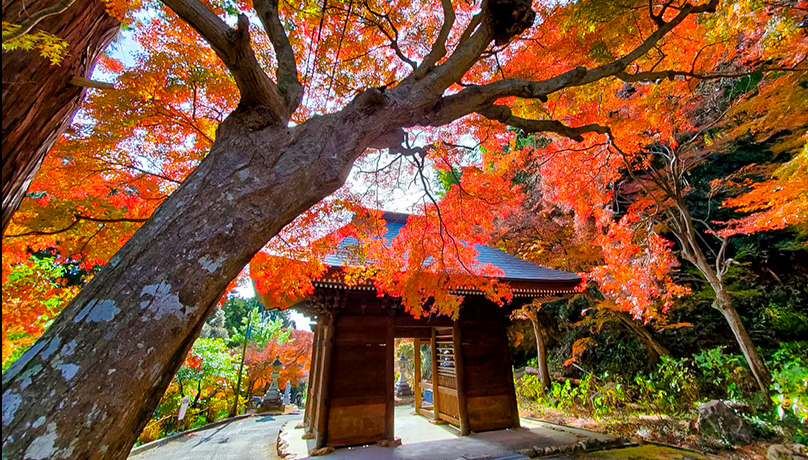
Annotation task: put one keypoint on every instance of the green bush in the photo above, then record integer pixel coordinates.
(676, 386)
(790, 383)
(671, 388)
(723, 376)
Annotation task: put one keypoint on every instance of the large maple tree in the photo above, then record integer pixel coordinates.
(40, 96)
(346, 78)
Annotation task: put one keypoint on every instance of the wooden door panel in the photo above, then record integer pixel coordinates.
(361, 383)
(445, 379)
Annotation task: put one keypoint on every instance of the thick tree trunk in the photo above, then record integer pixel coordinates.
(645, 336)
(541, 348)
(38, 100)
(89, 385)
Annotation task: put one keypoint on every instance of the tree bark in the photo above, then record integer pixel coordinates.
(38, 100)
(760, 371)
(138, 318)
(541, 349)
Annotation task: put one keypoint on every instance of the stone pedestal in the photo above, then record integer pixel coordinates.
(402, 387)
(272, 401)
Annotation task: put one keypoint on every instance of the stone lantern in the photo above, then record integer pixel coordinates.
(402, 387)
(272, 401)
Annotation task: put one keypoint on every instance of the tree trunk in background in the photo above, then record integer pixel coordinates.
(38, 100)
(645, 336)
(541, 349)
(723, 303)
(760, 371)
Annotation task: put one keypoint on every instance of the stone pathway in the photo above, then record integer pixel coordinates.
(254, 438)
(423, 441)
(251, 438)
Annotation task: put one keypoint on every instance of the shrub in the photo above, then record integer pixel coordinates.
(790, 384)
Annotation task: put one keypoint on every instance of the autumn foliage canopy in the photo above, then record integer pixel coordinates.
(130, 148)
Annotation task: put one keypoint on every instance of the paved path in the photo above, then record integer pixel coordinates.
(421, 440)
(252, 438)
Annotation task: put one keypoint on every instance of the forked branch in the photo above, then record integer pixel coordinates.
(234, 49)
(500, 21)
(618, 65)
(290, 87)
(438, 50)
(479, 98)
(393, 37)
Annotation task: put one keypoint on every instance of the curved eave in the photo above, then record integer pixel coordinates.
(520, 288)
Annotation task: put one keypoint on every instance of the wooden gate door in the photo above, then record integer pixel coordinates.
(361, 399)
(444, 376)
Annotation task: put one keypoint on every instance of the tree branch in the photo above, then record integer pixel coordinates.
(655, 76)
(76, 219)
(614, 67)
(233, 48)
(290, 87)
(475, 21)
(393, 38)
(461, 60)
(35, 19)
(502, 114)
(438, 50)
(478, 97)
(84, 82)
(658, 18)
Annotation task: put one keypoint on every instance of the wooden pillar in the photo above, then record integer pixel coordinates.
(313, 374)
(325, 382)
(317, 391)
(461, 380)
(508, 371)
(435, 392)
(390, 377)
(316, 381)
(416, 347)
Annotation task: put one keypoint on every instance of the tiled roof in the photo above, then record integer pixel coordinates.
(513, 268)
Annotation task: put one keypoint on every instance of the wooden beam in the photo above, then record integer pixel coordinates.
(508, 371)
(409, 321)
(310, 394)
(413, 332)
(450, 419)
(325, 385)
(416, 348)
(425, 412)
(317, 383)
(389, 414)
(465, 430)
(435, 392)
